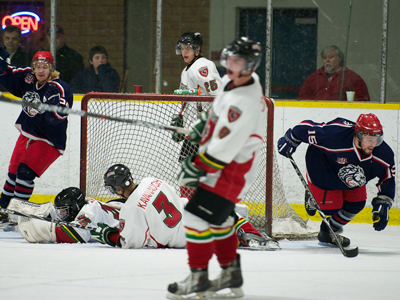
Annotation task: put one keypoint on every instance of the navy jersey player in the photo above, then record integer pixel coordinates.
(341, 158)
(43, 134)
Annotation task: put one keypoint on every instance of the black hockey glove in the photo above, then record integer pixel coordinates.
(380, 211)
(287, 143)
(198, 127)
(3, 56)
(52, 95)
(101, 233)
(177, 121)
(3, 53)
(188, 173)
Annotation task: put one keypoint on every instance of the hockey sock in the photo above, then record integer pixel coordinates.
(345, 214)
(24, 184)
(200, 247)
(246, 226)
(225, 245)
(8, 190)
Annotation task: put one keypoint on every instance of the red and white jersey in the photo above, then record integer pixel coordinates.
(91, 213)
(203, 75)
(152, 216)
(232, 139)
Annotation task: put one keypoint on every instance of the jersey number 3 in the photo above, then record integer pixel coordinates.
(174, 216)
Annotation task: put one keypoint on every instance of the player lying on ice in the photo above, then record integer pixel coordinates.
(127, 223)
(342, 156)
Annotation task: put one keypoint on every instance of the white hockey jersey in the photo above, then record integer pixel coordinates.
(202, 74)
(233, 138)
(91, 213)
(152, 216)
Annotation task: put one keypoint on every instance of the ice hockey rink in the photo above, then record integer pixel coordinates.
(300, 270)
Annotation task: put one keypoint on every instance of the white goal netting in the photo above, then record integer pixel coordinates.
(150, 152)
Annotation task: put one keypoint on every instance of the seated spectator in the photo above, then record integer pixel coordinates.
(99, 76)
(12, 39)
(68, 61)
(325, 83)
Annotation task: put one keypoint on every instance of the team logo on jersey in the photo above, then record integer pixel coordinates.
(29, 78)
(32, 97)
(121, 225)
(224, 132)
(203, 71)
(342, 160)
(234, 113)
(353, 176)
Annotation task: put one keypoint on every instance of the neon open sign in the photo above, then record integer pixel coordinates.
(25, 20)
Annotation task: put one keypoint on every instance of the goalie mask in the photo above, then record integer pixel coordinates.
(244, 48)
(192, 39)
(369, 125)
(68, 203)
(117, 177)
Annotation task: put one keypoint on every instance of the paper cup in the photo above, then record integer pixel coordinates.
(138, 88)
(350, 96)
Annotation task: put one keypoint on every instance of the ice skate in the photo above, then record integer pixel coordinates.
(229, 278)
(192, 287)
(6, 223)
(310, 208)
(255, 242)
(326, 237)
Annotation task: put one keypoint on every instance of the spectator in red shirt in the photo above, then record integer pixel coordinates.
(325, 83)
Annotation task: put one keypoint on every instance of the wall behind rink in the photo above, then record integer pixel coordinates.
(65, 171)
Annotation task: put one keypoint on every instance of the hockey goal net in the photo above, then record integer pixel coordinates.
(150, 152)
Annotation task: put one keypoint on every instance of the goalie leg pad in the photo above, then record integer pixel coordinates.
(210, 207)
(36, 231)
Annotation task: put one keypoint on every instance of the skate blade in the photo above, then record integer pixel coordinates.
(194, 296)
(227, 293)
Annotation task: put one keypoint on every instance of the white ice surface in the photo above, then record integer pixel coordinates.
(301, 270)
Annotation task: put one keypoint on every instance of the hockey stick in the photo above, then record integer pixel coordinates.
(348, 252)
(59, 222)
(82, 113)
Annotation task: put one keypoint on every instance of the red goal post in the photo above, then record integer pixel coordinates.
(150, 152)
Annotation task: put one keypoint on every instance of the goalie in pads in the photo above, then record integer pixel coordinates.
(70, 205)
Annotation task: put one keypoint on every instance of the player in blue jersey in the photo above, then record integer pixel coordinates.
(341, 158)
(43, 134)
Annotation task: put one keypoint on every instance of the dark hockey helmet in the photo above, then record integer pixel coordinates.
(68, 203)
(369, 124)
(190, 38)
(117, 176)
(246, 49)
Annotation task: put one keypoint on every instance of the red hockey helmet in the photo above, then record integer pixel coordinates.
(369, 124)
(43, 56)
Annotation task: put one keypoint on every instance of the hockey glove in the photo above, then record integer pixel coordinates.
(198, 127)
(380, 211)
(52, 95)
(188, 174)
(287, 143)
(3, 56)
(177, 121)
(101, 233)
(3, 53)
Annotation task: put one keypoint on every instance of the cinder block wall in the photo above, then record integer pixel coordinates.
(90, 23)
(180, 16)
